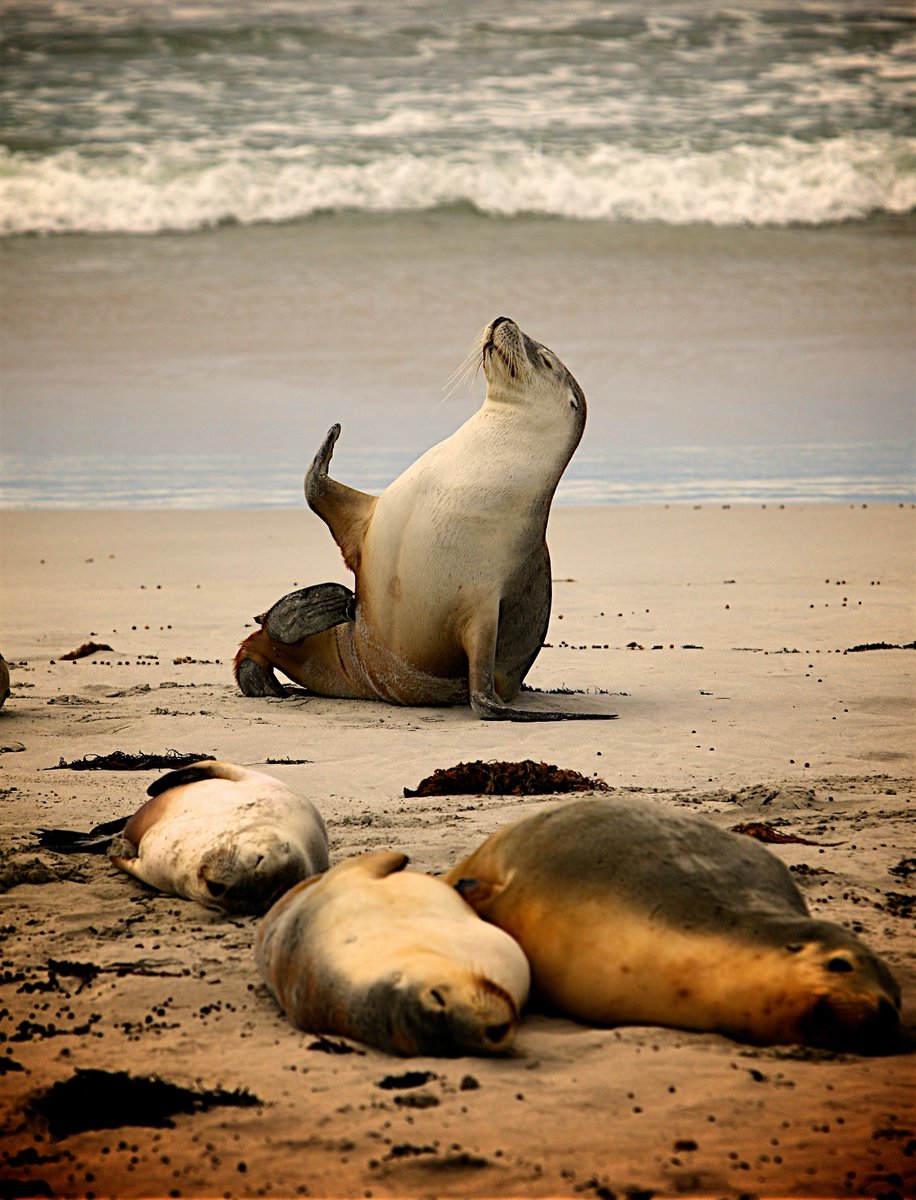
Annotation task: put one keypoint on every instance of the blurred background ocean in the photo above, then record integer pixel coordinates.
(225, 225)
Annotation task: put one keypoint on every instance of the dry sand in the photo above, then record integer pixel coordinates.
(739, 700)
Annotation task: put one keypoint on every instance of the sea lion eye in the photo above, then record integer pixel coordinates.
(794, 948)
(438, 997)
(839, 965)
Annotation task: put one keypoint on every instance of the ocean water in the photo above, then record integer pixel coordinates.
(860, 473)
(225, 224)
(145, 115)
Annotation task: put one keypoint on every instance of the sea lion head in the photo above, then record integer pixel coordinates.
(250, 872)
(515, 364)
(851, 999)
(459, 1013)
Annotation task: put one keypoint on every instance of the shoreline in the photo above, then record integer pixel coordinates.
(268, 486)
(721, 636)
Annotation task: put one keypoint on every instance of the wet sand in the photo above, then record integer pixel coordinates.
(251, 339)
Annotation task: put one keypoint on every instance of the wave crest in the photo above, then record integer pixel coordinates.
(183, 188)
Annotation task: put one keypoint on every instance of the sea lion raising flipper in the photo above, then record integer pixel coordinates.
(452, 571)
(392, 958)
(631, 913)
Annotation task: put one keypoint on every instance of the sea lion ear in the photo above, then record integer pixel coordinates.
(477, 892)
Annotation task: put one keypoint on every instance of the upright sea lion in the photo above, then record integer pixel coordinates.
(631, 913)
(392, 958)
(230, 838)
(452, 571)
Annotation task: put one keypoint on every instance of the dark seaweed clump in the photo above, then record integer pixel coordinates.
(527, 778)
(119, 760)
(93, 1099)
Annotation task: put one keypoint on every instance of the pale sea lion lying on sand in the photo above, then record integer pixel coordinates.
(229, 838)
(392, 958)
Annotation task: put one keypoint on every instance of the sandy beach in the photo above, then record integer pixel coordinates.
(721, 636)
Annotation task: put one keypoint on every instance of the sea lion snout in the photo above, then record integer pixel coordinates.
(459, 1016)
(240, 881)
(858, 1022)
(504, 339)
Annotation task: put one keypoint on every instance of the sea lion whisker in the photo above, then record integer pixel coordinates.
(466, 371)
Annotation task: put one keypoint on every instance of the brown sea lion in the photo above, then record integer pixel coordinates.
(632, 913)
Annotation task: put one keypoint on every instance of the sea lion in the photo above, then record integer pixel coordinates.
(392, 958)
(229, 838)
(452, 570)
(4, 681)
(631, 913)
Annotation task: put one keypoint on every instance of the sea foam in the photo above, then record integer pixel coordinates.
(177, 187)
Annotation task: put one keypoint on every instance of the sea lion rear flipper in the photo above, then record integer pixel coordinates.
(307, 611)
(72, 841)
(257, 678)
(344, 510)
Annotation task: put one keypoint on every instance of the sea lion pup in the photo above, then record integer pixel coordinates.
(452, 571)
(4, 681)
(392, 958)
(631, 913)
(229, 838)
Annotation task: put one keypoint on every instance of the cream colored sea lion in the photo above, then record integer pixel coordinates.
(452, 570)
(392, 958)
(631, 913)
(4, 681)
(230, 838)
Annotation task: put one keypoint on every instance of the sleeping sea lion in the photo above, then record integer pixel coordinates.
(631, 913)
(392, 958)
(230, 838)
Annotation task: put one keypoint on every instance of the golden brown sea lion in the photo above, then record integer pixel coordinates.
(631, 913)
(392, 958)
(452, 571)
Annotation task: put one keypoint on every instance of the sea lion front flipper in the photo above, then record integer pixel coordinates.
(479, 893)
(489, 709)
(480, 647)
(378, 863)
(121, 850)
(344, 510)
(207, 768)
(309, 610)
